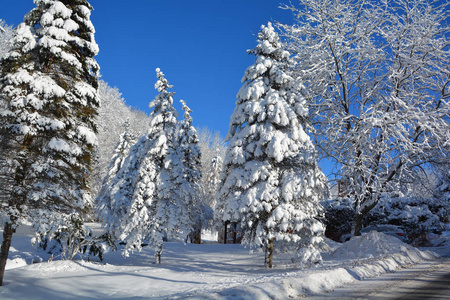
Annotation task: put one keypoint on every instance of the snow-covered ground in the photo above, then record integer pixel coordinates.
(207, 271)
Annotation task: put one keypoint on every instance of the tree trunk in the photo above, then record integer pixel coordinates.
(196, 236)
(357, 219)
(8, 232)
(158, 252)
(268, 262)
(234, 232)
(357, 224)
(225, 233)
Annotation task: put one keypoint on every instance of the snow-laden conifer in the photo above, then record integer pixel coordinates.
(198, 212)
(212, 147)
(134, 192)
(6, 36)
(271, 182)
(48, 82)
(112, 114)
(126, 140)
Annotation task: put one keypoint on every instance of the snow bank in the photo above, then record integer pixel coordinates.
(376, 245)
(15, 263)
(365, 257)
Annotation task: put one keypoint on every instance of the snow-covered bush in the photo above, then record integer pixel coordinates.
(76, 238)
(417, 216)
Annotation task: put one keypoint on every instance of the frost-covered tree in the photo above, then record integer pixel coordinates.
(198, 212)
(442, 196)
(126, 140)
(271, 182)
(178, 192)
(111, 117)
(6, 35)
(133, 193)
(49, 82)
(378, 77)
(213, 147)
(442, 190)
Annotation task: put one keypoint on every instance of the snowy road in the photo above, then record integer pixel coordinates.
(428, 280)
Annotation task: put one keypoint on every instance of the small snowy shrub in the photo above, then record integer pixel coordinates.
(69, 241)
(417, 216)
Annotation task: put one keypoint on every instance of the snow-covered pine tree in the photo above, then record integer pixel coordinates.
(198, 212)
(270, 181)
(126, 140)
(134, 193)
(112, 114)
(6, 35)
(49, 82)
(212, 147)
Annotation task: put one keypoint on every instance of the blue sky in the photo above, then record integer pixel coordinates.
(200, 45)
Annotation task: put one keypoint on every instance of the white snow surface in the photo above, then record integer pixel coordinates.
(207, 271)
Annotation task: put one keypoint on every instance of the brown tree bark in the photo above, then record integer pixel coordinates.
(357, 219)
(8, 232)
(234, 232)
(196, 236)
(268, 263)
(225, 233)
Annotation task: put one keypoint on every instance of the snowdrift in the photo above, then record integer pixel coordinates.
(362, 257)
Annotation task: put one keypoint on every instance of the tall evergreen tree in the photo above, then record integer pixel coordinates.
(126, 140)
(6, 35)
(212, 148)
(134, 193)
(112, 114)
(197, 210)
(270, 181)
(49, 82)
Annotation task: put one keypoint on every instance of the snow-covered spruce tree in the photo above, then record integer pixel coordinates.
(270, 181)
(378, 78)
(126, 140)
(212, 147)
(133, 193)
(6, 36)
(197, 211)
(49, 82)
(112, 114)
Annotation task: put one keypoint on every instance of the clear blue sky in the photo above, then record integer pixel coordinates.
(200, 45)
